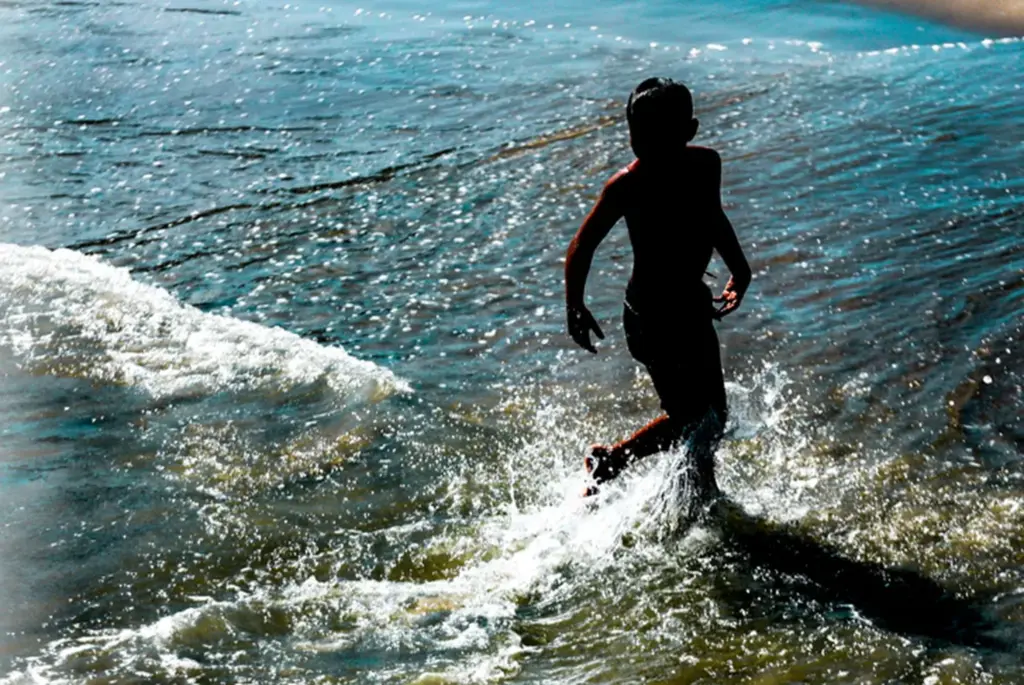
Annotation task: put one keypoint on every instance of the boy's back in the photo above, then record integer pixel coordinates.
(673, 216)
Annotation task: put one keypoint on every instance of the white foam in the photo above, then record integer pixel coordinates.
(549, 547)
(467, 620)
(67, 313)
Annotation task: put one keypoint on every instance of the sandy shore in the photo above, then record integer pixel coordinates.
(991, 17)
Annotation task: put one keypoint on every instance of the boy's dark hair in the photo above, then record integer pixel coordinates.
(659, 113)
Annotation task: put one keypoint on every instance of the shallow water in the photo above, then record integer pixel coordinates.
(287, 396)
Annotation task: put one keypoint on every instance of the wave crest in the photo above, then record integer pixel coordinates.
(69, 314)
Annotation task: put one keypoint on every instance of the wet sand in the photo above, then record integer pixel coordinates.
(992, 17)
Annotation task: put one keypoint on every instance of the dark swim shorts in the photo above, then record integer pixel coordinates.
(680, 351)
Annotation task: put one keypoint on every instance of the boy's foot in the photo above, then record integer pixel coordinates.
(601, 466)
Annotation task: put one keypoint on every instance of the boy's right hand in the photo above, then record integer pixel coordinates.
(581, 323)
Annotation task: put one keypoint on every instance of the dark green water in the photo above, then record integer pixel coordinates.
(287, 395)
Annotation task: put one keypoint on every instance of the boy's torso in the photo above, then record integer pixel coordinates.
(669, 213)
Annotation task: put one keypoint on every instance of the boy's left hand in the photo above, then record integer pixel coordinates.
(730, 299)
(581, 323)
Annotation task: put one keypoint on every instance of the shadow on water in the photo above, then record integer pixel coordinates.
(900, 600)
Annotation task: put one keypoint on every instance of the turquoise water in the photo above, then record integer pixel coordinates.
(287, 395)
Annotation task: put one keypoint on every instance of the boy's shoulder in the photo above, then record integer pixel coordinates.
(619, 176)
(705, 155)
(697, 154)
(616, 185)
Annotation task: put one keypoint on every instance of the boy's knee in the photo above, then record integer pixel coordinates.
(703, 441)
(705, 428)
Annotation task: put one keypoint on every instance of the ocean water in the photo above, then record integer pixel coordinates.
(287, 395)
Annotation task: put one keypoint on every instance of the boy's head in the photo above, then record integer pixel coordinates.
(660, 116)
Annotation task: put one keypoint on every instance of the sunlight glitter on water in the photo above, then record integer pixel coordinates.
(297, 404)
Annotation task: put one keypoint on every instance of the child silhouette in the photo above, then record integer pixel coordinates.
(670, 196)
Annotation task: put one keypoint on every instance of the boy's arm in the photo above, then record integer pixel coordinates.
(579, 257)
(728, 246)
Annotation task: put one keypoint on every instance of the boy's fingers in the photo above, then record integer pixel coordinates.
(580, 325)
(727, 308)
(582, 339)
(591, 325)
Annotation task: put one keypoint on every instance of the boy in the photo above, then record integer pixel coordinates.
(670, 198)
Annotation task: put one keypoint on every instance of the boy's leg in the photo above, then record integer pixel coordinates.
(687, 375)
(604, 463)
(657, 436)
(703, 443)
(707, 429)
(691, 386)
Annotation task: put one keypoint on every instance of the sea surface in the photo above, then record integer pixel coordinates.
(286, 393)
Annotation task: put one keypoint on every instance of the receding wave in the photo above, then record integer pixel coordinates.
(70, 314)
